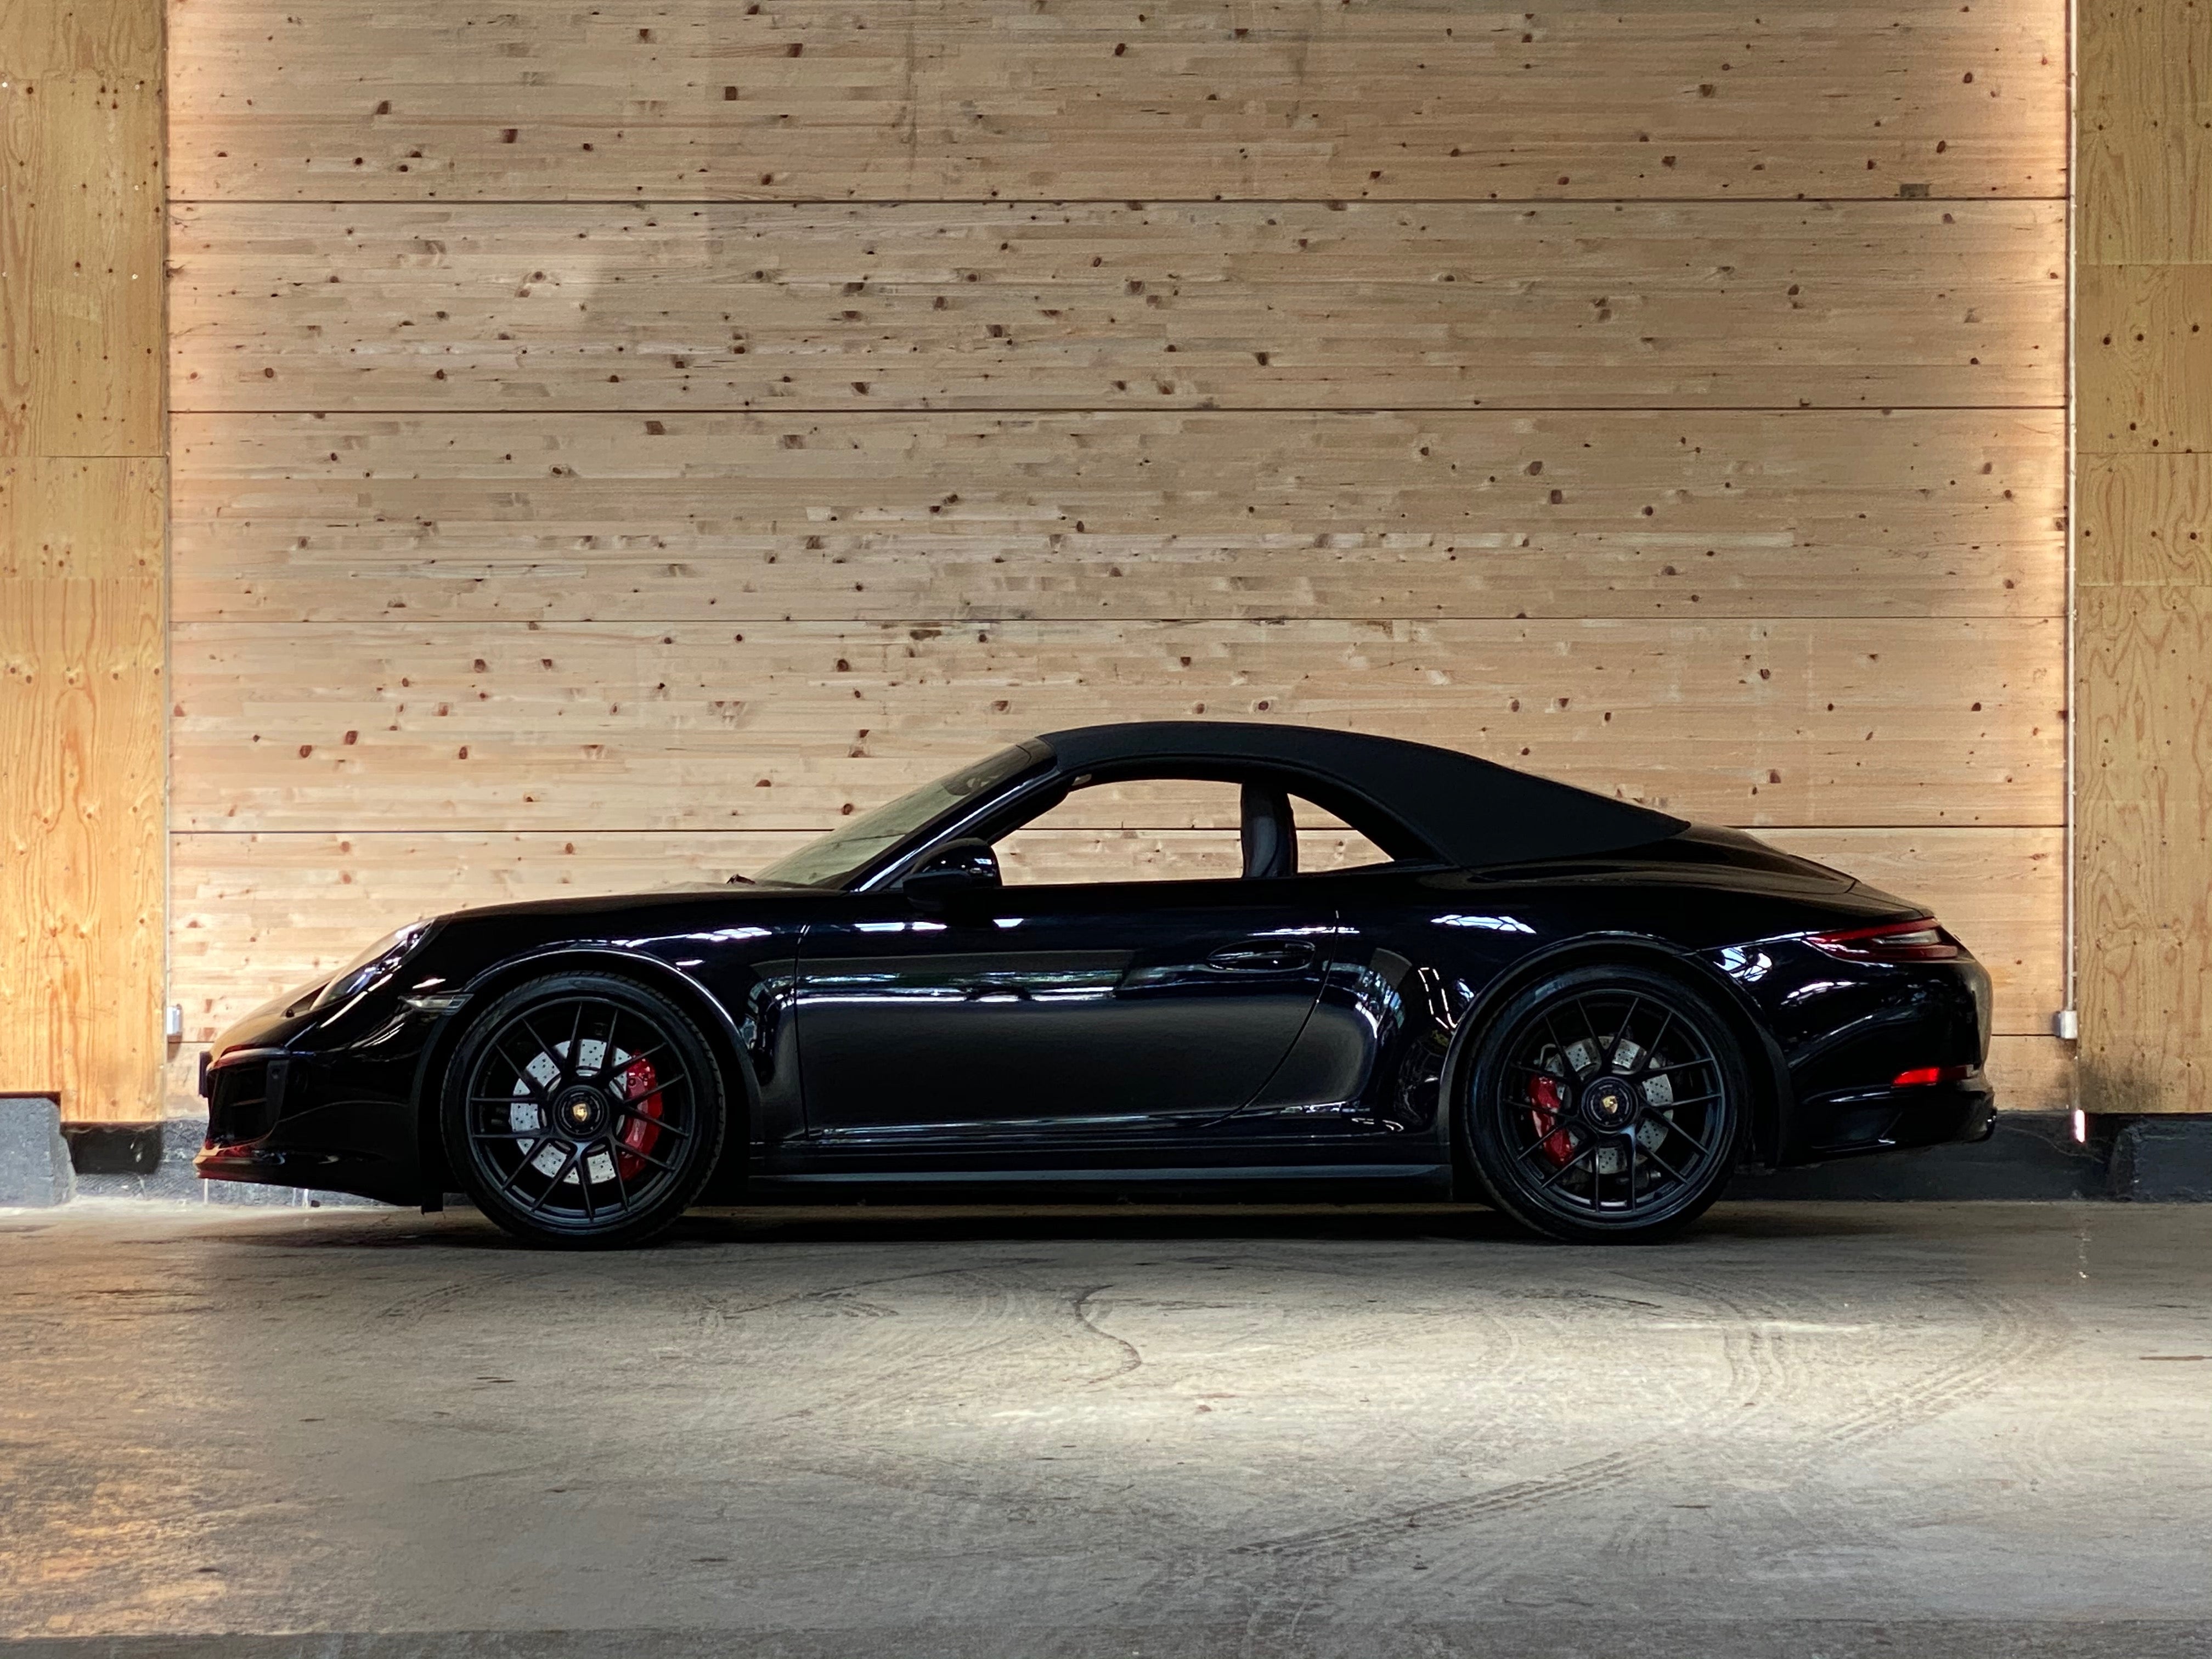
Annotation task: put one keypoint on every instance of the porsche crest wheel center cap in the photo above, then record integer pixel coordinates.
(580, 1112)
(1610, 1103)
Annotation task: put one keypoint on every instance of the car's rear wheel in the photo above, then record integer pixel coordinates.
(1607, 1104)
(583, 1111)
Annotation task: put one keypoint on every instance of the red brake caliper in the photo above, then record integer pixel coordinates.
(641, 1088)
(1544, 1094)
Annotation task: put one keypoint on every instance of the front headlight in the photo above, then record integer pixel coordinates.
(376, 964)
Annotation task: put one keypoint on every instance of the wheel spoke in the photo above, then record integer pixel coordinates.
(1574, 1072)
(1537, 1144)
(648, 1157)
(645, 1057)
(1652, 1049)
(584, 1182)
(558, 1177)
(522, 1073)
(1679, 1066)
(529, 1161)
(1554, 1179)
(666, 1125)
(1597, 1047)
(658, 1085)
(578, 1035)
(606, 1040)
(614, 1161)
(1667, 1167)
(1620, 1033)
(1633, 1144)
(1703, 1150)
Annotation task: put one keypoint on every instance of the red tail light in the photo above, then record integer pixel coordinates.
(1919, 940)
(1922, 1075)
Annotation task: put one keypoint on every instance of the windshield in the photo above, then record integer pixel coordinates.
(844, 852)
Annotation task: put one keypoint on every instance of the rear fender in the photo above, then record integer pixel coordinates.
(1772, 1096)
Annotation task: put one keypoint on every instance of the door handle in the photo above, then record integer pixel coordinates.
(1274, 955)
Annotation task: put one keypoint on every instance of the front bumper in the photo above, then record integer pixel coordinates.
(296, 1101)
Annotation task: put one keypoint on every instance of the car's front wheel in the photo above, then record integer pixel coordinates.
(583, 1110)
(1607, 1104)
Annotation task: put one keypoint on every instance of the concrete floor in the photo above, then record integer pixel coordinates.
(1809, 1429)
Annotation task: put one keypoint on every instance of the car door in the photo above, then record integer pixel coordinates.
(1052, 1013)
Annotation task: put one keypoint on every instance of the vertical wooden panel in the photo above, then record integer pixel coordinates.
(83, 494)
(2145, 131)
(2143, 693)
(81, 866)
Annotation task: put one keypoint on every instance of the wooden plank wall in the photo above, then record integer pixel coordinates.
(2143, 348)
(83, 500)
(614, 441)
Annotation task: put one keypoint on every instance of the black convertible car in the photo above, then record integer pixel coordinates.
(1584, 1013)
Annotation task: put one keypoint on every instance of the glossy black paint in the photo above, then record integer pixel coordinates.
(1274, 1027)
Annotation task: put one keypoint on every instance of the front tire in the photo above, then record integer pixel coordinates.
(583, 1111)
(1607, 1105)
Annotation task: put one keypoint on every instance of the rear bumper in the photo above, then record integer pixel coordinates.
(1848, 1031)
(1891, 1120)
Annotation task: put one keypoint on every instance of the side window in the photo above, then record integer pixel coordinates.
(1151, 830)
(1326, 841)
(1166, 829)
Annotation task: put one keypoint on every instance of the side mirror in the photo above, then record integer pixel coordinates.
(966, 866)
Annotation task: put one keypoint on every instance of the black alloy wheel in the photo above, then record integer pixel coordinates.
(1609, 1104)
(583, 1111)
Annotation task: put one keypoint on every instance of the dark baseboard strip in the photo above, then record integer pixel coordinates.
(114, 1149)
(2032, 1156)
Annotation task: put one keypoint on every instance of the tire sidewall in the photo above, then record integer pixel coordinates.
(703, 1150)
(1491, 1157)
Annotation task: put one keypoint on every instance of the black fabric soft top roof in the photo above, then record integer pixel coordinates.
(1474, 812)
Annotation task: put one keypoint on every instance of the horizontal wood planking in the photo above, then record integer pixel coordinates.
(883, 99)
(1289, 304)
(2033, 1073)
(305, 540)
(1124, 515)
(2001, 891)
(787, 724)
(261, 913)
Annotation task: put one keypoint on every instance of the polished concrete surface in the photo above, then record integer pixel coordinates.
(1806, 1429)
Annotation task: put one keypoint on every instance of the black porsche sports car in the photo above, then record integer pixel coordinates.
(1583, 1011)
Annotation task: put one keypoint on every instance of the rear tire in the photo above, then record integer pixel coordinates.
(1607, 1105)
(583, 1111)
